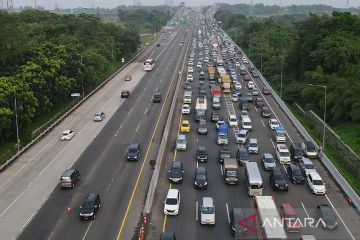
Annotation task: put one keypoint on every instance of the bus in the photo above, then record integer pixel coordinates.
(149, 64)
(271, 223)
(254, 181)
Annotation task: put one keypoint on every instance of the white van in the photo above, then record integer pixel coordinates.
(246, 123)
(172, 202)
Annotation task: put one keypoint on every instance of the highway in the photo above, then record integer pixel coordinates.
(187, 224)
(122, 185)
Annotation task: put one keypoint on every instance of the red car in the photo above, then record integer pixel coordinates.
(247, 77)
(291, 220)
(266, 91)
(259, 102)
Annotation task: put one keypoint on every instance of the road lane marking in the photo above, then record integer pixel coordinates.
(307, 214)
(196, 210)
(138, 127)
(221, 169)
(272, 142)
(127, 148)
(87, 230)
(227, 212)
(347, 229)
(145, 113)
(145, 159)
(262, 123)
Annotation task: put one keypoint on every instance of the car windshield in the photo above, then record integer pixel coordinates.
(284, 154)
(231, 173)
(171, 201)
(207, 210)
(297, 172)
(318, 182)
(201, 152)
(132, 150)
(269, 160)
(97, 114)
(242, 135)
(181, 141)
(200, 177)
(244, 155)
(65, 134)
(253, 144)
(309, 166)
(279, 177)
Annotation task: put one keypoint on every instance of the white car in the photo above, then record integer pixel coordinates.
(237, 86)
(207, 211)
(316, 183)
(243, 114)
(233, 122)
(99, 116)
(251, 85)
(273, 123)
(190, 69)
(234, 97)
(237, 64)
(190, 63)
(67, 135)
(282, 154)
(190, 78)
(241, 137)
(242, 67)
(185, 109)
(199, 65)
(172, 202)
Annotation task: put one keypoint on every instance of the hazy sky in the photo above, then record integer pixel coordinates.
(50, 4)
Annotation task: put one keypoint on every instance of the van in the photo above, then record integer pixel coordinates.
(172, 202)
(90, 206)
(315, 183)
(246, 123)
(309, 149)
(181, 142)
(69, 178)
(254, 181)
(236, 215)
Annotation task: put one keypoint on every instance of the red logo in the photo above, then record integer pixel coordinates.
(253, 225)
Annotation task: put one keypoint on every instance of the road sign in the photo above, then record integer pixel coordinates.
(75, 94)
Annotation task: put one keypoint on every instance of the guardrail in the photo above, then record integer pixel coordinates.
(351, 195)
(62, 117)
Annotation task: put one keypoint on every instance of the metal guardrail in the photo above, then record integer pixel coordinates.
(62, 117)
(339, 179)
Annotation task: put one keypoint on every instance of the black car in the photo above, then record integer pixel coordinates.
(202, 92)
(215, 117)
(224, 153)
(265, 112)
(158, 45)
(200, 179)
(242, 156)
(327, 215)
(202, 154)
(167, 236)
(157, 97)
(134, 152)
(249, 97)
(202, 127)
(295, 174)
(244, 104)
(278, 180)
(236, 215)
(90, 206)
(176, 172)
(296, 151)
(125, 94)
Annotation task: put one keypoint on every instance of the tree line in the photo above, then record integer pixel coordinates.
(320, 49)
(44, 57)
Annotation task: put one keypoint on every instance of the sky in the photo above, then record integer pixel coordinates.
(50, 4)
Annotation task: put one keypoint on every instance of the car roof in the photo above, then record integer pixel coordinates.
(68, 173)
(307, 161)
(134, 145)
(288, 209)
(208, 202)
(67, 131)
(201, 148)
(201, 170)
(253, 140)
(296, 146)
(243, 131)
(176, 164)
(91, 197)
(172, 193)
(315, 176)
(181, 136)
(268, 155)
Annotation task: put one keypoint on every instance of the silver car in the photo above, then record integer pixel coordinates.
(241, 137)
(268, 161)
(207, 211)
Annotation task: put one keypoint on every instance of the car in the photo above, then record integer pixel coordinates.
(67, 135)
(266, 91)
(190, 69)
(253, 146)
(241, 136)
(215, 117)
(244, 114)
(315, 183)
(69, 178)
(90, 206)
(237, 92)
(307, 166)
(224, 152)
(176, 172)
(295, 174)
(282, 154)
(185, 109)
(268, 161)
(242, 67)
(190, 63)
(246, 77)
(296, 151)
(219, 122)
(199, 65)
(234, 97)
(157, 97)
(158, 45)
(128, 77)
(327, 216)
(290, 218)
(172, 202)
(245, 61)
(309, 149)
(273, 123)
(250, 85)
(265, 112)
(259, 102)
(181, 142)
(187, 87)
(249, 97)
(99, 116)
(190, 78)
(202, 127)
(207, 211)
(233, 121)
(202, 154)
(167, 236)
(133, 153)
(243, 105)
(146, 44)
(242, 156)
(237, 85)
(278, 180)
(236, 215)
(200, 178)
(237, 64)
(185, 126)
(255, 91)
(125, 94)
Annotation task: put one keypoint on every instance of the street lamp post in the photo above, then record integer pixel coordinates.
(281, 77)
(82, 79)
(325, 88)
(16, 122)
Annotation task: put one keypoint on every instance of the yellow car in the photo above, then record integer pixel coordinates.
(185, 126)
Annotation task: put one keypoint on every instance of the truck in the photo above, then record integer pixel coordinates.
(187, 97)
(226, 83)
(230, 170)
(200, 108)
(211, 73)
(222, 132)
(279, 134)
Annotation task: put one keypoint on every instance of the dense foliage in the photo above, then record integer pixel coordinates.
(322, 49)
(44, 57)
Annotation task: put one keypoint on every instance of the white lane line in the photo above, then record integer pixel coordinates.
(256, 109)
(221, 169)
(87, 230)
(130, 110)
(272, 142)
(146, 110)
(347, 229)
(197, 164)
(196, 210)
(120, 126)
(138, 127)
(161, 79)
(126, 150)
(262, 123)
(227, 212)
(307, 214)
(137, 100)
